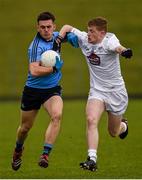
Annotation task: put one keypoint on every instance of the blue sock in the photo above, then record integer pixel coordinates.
(19, 146)
(47, 149)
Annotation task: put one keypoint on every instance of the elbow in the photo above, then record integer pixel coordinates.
(33, 69)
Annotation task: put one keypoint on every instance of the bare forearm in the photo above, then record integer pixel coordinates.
(125, 52)
(42, 71)
(64, 30)
(37, 70)
(120, 49)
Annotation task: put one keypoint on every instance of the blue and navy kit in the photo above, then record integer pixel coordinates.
(37, 47)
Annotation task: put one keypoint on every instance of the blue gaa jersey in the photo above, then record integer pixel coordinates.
(37, 47)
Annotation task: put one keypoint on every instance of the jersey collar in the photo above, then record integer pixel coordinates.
(51, 40)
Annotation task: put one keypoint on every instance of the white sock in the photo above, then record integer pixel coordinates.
(124, 127)
(92, 153)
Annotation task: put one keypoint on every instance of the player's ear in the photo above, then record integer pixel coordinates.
(54, 27)
(103, 32)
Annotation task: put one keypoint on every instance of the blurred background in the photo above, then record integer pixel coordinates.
(116, 159)
(18, 27)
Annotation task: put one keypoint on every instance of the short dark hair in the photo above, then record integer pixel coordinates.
(45, 16)
(99, 22)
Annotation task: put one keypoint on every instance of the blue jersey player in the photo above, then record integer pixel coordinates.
(41, 88)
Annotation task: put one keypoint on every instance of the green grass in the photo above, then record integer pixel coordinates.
(116, 158)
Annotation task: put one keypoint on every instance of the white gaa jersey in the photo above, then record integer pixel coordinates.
(103, 61)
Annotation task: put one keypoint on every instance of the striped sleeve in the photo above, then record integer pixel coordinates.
(34, 51)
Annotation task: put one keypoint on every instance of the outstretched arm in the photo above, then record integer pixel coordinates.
(65, 29)
(65, 33)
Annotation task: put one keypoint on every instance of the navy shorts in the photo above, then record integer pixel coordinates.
(33, 98)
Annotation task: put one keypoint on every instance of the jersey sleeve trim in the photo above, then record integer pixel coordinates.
(33, 55)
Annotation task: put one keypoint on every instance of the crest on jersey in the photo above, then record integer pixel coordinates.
(94, 59)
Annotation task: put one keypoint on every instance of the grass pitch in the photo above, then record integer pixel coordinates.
(116, 158)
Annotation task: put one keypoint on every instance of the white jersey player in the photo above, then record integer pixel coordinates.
(107, 88)
(102, 60)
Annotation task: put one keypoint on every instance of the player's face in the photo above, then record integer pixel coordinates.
(94, 35)
(46, 28)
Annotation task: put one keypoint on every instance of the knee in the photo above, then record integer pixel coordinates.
(92, 121)
(24, 129)
(56, 117)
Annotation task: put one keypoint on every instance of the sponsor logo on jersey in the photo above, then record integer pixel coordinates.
(94, 59)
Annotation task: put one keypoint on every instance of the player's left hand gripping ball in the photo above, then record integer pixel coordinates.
(58, 65)
(127, 53)
(57, 43)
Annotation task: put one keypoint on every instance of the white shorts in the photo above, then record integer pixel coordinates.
(116, 102)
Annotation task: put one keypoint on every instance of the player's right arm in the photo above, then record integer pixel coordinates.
(36, 69)
(34, 54)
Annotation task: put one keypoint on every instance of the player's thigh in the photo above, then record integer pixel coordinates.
(94, 109)
(54, 105)
(28, 117)
(114, 121)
